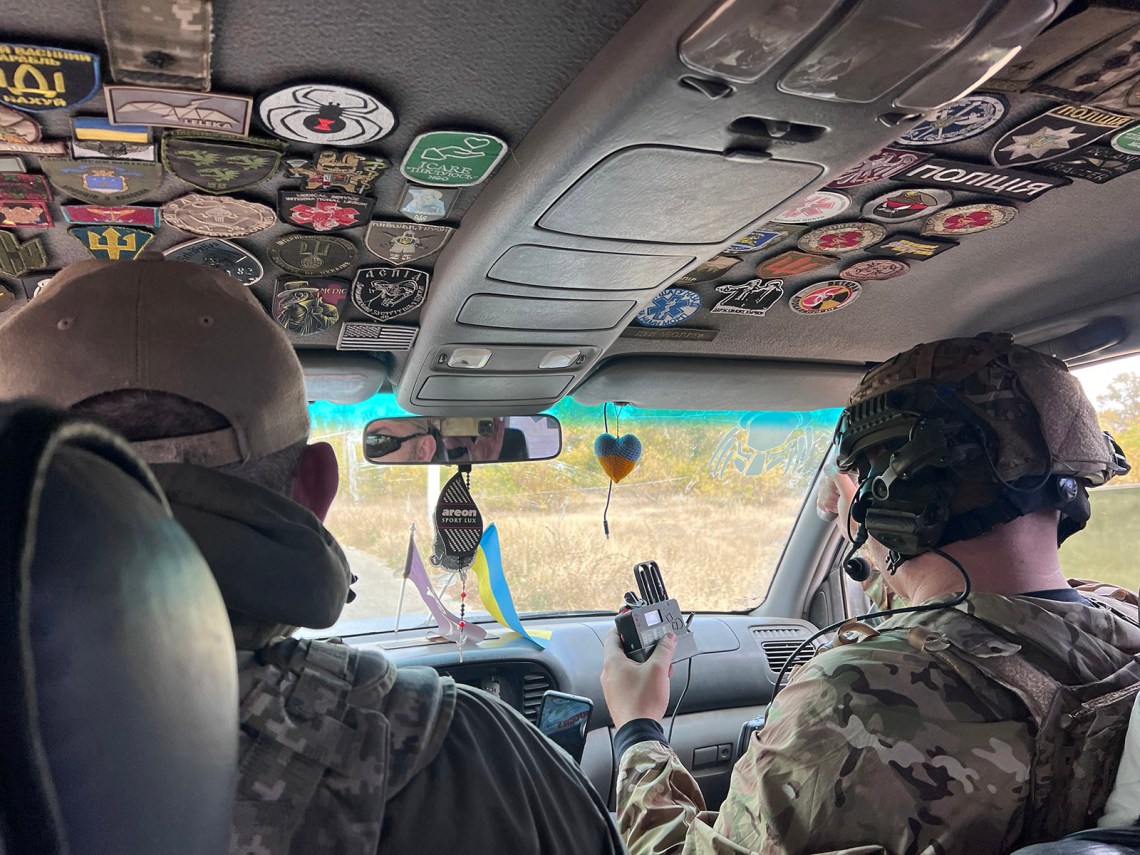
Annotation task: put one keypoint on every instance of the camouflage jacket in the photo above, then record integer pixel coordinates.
(881, 746)
(341, 752)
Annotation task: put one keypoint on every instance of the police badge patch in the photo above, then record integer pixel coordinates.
(1055, 133)
(309, 306)
(384, 293)
(1096, 163)
(671, 307)
(221, 255)
(220, 164)
(112, 243)
(46, 78)
(101, 181)
(405, 243)
(324, 212)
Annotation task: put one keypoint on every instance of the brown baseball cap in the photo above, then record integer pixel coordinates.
(165, 326)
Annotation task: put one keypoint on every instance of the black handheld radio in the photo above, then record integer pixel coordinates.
(645, 620)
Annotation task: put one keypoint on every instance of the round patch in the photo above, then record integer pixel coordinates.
(669, 308)
(217, 216)
(324, 114)
(1126, 142)
(960, 120)
(18, 128)
(221, 255)
(910, 203)
(967, 219)
(874, 270)
(384, 293)
(841, 237)
(814, 207)
(824, 297)
(312, 255)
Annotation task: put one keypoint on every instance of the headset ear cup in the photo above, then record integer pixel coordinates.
(857, 568)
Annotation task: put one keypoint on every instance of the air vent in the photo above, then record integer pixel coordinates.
(534, 686)
(779, 652)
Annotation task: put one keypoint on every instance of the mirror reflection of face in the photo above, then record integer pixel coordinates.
(417, 445)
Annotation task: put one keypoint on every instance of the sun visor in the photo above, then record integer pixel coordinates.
(719, 384)
(341, 378)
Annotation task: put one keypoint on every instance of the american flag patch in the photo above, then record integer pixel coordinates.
(356, 335)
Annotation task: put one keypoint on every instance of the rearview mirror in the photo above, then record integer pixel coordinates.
(494, 439)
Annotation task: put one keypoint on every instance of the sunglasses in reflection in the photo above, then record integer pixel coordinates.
(381, 444)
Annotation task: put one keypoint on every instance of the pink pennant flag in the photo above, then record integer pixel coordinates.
(448, 622)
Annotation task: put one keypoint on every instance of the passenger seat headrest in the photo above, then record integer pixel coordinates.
(118, 679)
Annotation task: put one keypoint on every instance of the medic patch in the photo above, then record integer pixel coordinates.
(309, 306)
(825, 297)
(112, 243)
(229, 258)
(968, 219)
(312, 255)
(666, 334)
(323, 212)
(1055, 133)
(100, 181)
(839, 238)
(177, 108)
(671, 307)
(874, 270)
(384, 293)
(215, 163)
(404, 243)
(979, 178)
(127, 215)
(114, 150)
(913, 246)
(767, 235)
(325, 114)
(24, 215)
(1097, 163)
(791, 263)
(1106, 65)
(452, 158)
(898, 206)
(46, 78)
(959, 120)
(813, 207)
(23, 187)
(365, 335)
(424, 204)
(877, 167)
(712, 269)
(349, 171)
(754, 297)
(217, 216)
(18, 259)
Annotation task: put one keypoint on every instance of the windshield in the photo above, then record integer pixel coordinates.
(712, 500)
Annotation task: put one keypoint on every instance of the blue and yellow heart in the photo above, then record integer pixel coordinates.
(618, 455)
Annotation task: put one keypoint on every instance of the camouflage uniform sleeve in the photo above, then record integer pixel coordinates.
(870, 749)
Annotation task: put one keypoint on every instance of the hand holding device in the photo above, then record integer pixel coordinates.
(645, 620)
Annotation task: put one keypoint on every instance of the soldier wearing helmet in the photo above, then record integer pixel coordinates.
(989, 715)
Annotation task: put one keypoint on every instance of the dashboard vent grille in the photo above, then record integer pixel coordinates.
(780, 651)
(534, 685)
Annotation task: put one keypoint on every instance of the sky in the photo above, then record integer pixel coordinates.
(1096, 378)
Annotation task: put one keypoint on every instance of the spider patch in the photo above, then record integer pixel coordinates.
(325, 114)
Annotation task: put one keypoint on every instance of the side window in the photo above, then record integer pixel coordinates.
(1106, 549)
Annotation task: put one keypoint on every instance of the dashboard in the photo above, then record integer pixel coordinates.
(729, 681)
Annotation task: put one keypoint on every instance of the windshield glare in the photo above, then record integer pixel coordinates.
(712, 500)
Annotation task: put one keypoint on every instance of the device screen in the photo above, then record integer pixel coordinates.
(564, 719)
(652, 618)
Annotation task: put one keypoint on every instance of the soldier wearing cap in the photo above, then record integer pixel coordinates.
(992, 715)
(340, 750)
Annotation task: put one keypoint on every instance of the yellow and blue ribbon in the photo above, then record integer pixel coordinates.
(494, 590)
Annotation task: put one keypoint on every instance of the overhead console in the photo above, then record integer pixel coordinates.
(689, 129)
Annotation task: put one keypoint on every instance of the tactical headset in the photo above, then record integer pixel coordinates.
(927, 475)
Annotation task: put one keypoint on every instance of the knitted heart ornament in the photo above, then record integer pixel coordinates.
(618, 456)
